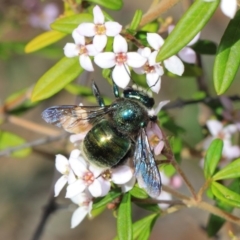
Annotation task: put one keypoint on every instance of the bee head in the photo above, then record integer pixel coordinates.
(140, 95)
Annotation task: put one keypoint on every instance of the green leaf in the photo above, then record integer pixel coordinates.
(56, 78)
(97, 211)
(136, 20)
(124, 220)
(232, 170)
(110, 4)
(228, 56)
(143, 227)
(189, 71)
(68, 24)
(215, 223)
(43, 40)
(205, 47)
(8, 140)
(151, 27)
(138, 193)
(149, 207)
(191, 23)
(107, 199)
(225, 195)
(212, 157)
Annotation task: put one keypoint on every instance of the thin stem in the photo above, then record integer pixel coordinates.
(156, 10)
(175, 193)
(32, 126)
(171, 158)
(37, 142)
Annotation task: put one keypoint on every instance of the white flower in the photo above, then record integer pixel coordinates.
(80, 49)
(154, 132)
(228, 7)
(217, 130)
(153, 71)
(99, 29)
(88, 177)
(187, 54)
(172, 64)
(63, 166)
(84, 200)
(121, 59)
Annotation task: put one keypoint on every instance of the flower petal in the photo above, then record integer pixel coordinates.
(61, 182)
(214, 127)
(98, 15)
(99, 42)
(187, 55)
(121, 174)
(86, 29)
(158, 149)
(231, 152)
(71, 50)
(78, 167)
(229, 7)
(81, 198)
(139, 70)
(105, 185)
(95, 188)
(160, 106)
(78, 38)
(153, 81)
(134, 59)
(95, 170)
(75, 188)
(120, 75)
(86, 62)
(61, 163)
(164, 196)
(145, 52)
(155, 40)
(120, 44)
(105, 60)
(78, 215)
(129, 185)
(91, 50)
(174, 65)
(152, 58)
(77, 137)
(75, 153)
(194, 40)
(113, 28)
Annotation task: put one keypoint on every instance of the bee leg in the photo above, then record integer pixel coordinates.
(97, 95)
(115, 90)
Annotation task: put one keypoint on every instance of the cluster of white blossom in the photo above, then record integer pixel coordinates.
(142, 62)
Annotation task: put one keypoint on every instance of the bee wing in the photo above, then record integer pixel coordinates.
(146, 170)
(74, 119)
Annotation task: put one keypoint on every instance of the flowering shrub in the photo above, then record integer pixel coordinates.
(138, 53)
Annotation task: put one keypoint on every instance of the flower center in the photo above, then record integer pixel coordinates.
(154, 140)
(106, 175)
(121, 58)
(88, 177)
(148, 69)
(100, 29)
(221, 135)
(82, 50)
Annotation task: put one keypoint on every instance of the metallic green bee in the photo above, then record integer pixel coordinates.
(115, 132)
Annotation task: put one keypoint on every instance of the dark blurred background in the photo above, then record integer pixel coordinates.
(25, 183)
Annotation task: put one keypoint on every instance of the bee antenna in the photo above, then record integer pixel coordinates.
(128, 73)
(154, 83)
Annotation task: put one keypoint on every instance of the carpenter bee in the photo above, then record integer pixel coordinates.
(116, 132)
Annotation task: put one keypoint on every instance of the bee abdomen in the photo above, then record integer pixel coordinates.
(104, 146)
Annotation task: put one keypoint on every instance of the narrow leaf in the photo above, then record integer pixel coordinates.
(225, 195)
(228, 56)
(232, 170)
(215, 223)
(138, 193)
(136, 20)
(110, 4)
(8, 140)
(124, 220)
(56, 78)
(187, 28)
(142, 228)
(43, 40)
(107, 199)
(212, 157)
(68, 24)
